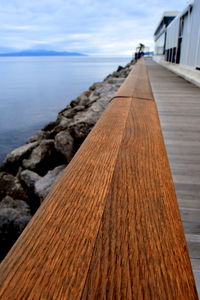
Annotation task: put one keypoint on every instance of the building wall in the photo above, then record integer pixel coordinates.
(160, 33)
(186, 47)
(190, 47)
(159, 44)
(194, 45)
(172, 34)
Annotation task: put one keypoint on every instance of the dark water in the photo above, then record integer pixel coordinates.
(34, 89)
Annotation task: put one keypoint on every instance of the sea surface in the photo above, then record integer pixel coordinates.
(34, 89)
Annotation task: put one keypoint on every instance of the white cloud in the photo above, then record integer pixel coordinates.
(90, 26)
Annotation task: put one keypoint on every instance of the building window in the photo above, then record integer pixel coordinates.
(159, 45)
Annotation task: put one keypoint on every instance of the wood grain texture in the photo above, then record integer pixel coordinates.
(111, 228)
(137, 83)
(140, 252)
(178, 103)
(51, 258)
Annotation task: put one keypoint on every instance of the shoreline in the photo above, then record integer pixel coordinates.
(28, 173)
(44, 86)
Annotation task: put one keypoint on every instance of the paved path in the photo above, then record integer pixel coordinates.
(178, 104)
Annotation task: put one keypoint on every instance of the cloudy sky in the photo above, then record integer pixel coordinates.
(102, 27)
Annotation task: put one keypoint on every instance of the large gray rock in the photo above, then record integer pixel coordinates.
(40, 135)
(92, 98)
(96, 85)
(21, 206)
(84, 99)
(14, 158)
(20, 152)
(64, 143)
(50, 126)
(80, 130)
(105, 89)
(29, 178)
(45, 184)
(64, 123)
(14, 216)
(83, 122)
(70, 113)
(115, 81)
(10, 185)
(41, 158)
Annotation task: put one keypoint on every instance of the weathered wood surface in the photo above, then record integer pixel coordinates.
(142, 219)
(137, 83)
(178, 103)
(111, 228)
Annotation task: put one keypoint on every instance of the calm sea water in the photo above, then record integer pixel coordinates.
(34, 89)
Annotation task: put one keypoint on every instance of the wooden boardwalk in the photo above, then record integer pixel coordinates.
(178, 103)
(111, 227)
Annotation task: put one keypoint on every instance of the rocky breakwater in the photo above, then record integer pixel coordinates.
(28, 173)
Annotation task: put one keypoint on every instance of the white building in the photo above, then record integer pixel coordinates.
(161, 31)
(181, 37)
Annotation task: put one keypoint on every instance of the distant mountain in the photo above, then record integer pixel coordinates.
(41, 53)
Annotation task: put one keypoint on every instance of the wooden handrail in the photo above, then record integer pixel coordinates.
(110, 228)
(137, 84)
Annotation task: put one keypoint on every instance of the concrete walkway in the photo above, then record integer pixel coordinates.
(178, 104)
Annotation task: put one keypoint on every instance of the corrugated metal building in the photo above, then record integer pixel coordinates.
(161, 31)
(182, 44)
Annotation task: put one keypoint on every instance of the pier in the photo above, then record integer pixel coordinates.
(111, 227)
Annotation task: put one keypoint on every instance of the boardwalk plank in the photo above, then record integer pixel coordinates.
(137, 84)
(179, 110)
(142, 219)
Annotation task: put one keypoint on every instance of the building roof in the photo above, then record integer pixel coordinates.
(166, 14)
(182, 13)
(189, 6)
